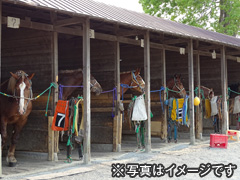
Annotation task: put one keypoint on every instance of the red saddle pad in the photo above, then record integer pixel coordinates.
(61, 116)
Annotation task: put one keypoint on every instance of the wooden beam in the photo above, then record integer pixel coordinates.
(234, 53)
(129, 41)
(191, 91)
(46, 27)
(68, 22)
(147, 89)
(225, 123)
(86, 92)
(164, 78)
(107, 37)
(212, 47)
(125, 33)
(175, 41)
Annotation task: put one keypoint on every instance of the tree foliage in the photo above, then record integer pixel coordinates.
(218, 15)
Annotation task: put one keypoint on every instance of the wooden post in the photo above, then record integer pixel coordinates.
(199, 124)
(55, 90)
(118, 114)
(55, 69)
(50, 139)
(147, 88)
(0, 43)
(86, 91)
(164, 126)
(225, 123)
(191, 91)
(0, 80)
(117, 121)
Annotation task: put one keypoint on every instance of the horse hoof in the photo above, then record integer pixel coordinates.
(12, 164)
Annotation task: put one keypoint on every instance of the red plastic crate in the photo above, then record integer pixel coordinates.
(218, 141)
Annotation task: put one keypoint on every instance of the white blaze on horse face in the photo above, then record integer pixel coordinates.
(22, 87)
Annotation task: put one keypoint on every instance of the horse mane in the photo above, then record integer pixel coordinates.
(11, 84)
(12, 81)
(205, 88)
(125, 72)
(70, 71)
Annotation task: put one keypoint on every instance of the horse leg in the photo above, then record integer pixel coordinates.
(169, 132)
(3, 131)
(137, 130)
(142, 131)
(175, 132)
(15, 136)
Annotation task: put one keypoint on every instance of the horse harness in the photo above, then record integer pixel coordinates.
(175, 85)
(134, 80)
(92, 85)
(22, 74)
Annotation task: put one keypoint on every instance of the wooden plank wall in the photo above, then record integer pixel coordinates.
(30, 50)
(103, 69)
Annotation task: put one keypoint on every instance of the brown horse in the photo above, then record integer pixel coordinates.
(15, 109)
(75, 78)
(131, 79)
(206, 92)
(176, 85)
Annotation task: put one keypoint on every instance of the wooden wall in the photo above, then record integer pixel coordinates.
(30, 51)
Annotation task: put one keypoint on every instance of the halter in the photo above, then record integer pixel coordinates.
(134, 80)
(21, 74)
(91, 85)
(209, 91)
(175, 85)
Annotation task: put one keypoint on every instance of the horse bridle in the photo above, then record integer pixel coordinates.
(92, 85)
(175, 85)
(31, 93)
(134, 80)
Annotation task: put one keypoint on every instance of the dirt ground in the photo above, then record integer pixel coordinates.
(181, 153)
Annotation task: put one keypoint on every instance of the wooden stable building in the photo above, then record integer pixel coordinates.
(43, 37)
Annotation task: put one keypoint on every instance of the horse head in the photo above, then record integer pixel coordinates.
(211, 93)
(206, 92)
(95, 86)
(176, 85)
(137, 81)
(21, 87)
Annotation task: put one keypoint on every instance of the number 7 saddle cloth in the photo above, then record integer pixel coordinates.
(61, 116)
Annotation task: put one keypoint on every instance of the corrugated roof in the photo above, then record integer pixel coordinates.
(115, 14)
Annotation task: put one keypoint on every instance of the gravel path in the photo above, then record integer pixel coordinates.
(179, 154)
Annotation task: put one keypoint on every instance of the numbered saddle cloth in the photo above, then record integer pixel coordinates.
(61, 116)
(236, 108)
